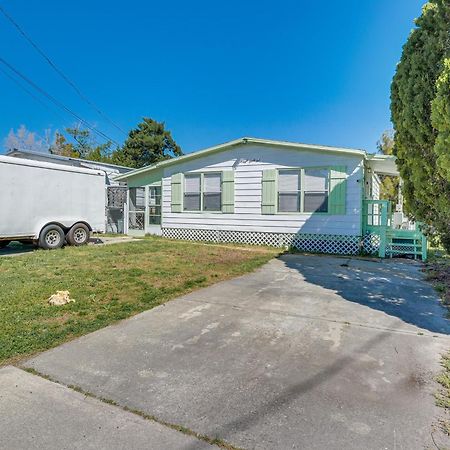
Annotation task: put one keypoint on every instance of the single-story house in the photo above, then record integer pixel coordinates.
(257, 191)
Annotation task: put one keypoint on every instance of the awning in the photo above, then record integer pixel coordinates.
(383, 164)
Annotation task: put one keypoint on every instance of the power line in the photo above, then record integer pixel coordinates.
(35, 97)
(56, 101)
(59, 71)
(27, 90)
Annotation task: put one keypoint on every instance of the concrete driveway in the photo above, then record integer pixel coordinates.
(308, 352)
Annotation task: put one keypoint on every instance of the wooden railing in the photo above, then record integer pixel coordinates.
(377, 219)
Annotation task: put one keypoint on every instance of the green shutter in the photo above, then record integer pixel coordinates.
(338, 190)
(177, 192)
(228, 191)
(269, 191)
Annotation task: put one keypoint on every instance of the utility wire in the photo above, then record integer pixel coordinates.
(16, 81)
(60, 72)
(35, 97)
(56, 101)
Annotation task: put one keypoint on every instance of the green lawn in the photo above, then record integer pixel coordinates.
(108, 283)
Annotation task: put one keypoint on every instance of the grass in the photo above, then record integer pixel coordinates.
(108, 283)
(438, 273)
(443, 395)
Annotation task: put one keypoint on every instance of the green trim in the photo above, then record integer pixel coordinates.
(228, 191)
(337, 190)
(176, 199)
(269, 194)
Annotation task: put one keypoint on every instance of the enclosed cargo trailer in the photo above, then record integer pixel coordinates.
(49, 204)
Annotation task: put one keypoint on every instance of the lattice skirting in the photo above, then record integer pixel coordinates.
(316, 243)
(370, 243)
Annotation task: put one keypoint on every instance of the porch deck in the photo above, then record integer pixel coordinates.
(382, 237)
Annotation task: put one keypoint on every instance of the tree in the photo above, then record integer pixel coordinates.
(23, 139)
(86, 146)
(61, 147)
(389, 184)
(440, 116)
(147, 144)
(418, 84)
(83, 146)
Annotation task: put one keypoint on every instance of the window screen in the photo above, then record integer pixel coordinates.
(288, 191)
(191, 193)
(212, 195)
(316, 190)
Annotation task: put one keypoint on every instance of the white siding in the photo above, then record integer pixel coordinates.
(249, 160)
(372, 185)
(376, 187)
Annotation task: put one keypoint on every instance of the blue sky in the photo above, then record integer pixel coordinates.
(316, 72)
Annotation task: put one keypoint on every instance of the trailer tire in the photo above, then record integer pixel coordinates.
(3, 244)
(78, 235)
(51, 237)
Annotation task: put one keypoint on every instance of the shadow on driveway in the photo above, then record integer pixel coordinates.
(395, 286)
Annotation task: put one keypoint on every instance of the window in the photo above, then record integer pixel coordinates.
(192, 191)
(212, 196)
(203, 192)
(315, 196)
(289, 190)
(154, 205)
(303, 190)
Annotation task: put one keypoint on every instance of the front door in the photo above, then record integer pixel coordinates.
(154, 210)
(136, 211)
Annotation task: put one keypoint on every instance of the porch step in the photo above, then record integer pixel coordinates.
(407, 246)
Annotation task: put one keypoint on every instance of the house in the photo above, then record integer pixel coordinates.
(257, 191)
(115, 191)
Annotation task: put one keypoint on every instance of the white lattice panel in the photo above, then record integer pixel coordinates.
(370, 243)
(316, 243)
(410, 249)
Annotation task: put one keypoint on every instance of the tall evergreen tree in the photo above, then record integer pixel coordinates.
(414, 89)
(150, 142)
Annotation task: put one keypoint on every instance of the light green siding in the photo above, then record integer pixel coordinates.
(338, 190)
(228, 191)
(269, 191)
(144, 179)
(177, 192)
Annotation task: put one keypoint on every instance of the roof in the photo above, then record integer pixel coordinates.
(244, 140)
(28, 153)
(46, 165)
(383, 164)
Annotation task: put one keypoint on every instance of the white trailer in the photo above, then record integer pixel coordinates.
(49, 204)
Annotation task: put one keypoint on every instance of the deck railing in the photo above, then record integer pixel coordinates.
(377, 220)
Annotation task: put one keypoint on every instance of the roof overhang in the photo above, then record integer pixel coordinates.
(29, 154)
(242, 141)
(383, 164)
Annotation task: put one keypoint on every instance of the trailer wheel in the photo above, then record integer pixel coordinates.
(51, 237)
(4, 243)
(79, 234)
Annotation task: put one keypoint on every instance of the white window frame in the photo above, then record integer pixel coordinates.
(202, 191)
(298, 191)
(302, 189)
(327, 191)
(192, 175)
